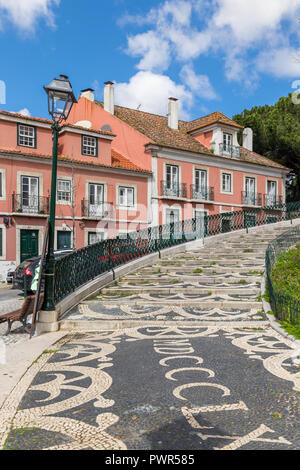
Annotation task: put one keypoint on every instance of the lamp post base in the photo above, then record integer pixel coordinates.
(47, 322)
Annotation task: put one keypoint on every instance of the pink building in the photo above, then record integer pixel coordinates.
(121, 170)
(99, 192)
(197, 167)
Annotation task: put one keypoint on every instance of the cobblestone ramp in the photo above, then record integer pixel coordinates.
(189, 363)
(220, 283)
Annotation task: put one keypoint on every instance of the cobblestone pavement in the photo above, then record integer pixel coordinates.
(9, 302)
(199, 368)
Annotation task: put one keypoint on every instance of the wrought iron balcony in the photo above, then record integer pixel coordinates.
(251, 198)
(28, 204)
(174, 190)
(231, 151)
(96, 211)
(272, 200)
(202, 194)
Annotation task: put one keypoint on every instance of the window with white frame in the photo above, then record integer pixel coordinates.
(126, 196)
(95, 237)
(89, 146)
(227, 142)
(226, 182)
(26, 136)
(64, 190)
(271, 192)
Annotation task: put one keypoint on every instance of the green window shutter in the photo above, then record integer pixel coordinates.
(1, 176)
(96, 148)
(1, 242)
(35, 138)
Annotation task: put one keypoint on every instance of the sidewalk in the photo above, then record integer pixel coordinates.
(19, 358)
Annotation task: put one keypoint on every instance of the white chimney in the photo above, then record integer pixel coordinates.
(173, 113)
(109, 97)
(248, 138)
(89, 94)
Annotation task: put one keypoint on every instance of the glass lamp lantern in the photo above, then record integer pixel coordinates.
(60, 98)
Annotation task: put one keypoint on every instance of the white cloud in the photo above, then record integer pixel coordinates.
(25, 13)
(283, 62)
(24, 112)
(241, 32)
(150, 92)
(199, 84)
(250, 21)
(154, 51)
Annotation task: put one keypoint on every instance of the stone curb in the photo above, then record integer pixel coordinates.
(91, 325)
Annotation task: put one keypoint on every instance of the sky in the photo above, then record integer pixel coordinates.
(226, 55)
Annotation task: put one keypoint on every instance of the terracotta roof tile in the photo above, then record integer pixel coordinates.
(208, 120)
(28, 118)
(252, 157)
(118, 161)
(155, 127)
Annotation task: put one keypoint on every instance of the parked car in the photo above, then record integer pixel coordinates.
(123, 252)
(10, 276)
(28, 267)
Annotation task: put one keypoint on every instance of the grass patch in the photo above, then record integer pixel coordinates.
(293, 330)
(117, 294)
(198, 271)
(248, 250)
(255, 273)
(285, 273)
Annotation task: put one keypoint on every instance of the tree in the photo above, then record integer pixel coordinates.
(276, 132)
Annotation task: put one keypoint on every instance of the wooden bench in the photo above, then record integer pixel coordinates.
(22, 314)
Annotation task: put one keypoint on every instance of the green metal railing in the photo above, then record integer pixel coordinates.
(84, 265)
(285, 307)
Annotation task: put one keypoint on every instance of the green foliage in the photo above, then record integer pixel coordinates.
(293, 330)
(276, 132)
(285, 273)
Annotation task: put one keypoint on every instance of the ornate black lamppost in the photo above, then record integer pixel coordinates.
(60, 101)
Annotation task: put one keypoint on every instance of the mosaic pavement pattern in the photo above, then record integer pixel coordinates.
(211, 388)
(199, 367)
(218, 283)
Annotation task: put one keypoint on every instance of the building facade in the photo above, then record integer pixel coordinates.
(100, 194)
(197, 167)
(122, 170)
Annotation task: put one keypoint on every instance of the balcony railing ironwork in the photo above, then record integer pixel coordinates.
(271, 200)
(202, 194)
(232, 151)
(173, 190)
(29, 204)
(96, 211)
(251, 199)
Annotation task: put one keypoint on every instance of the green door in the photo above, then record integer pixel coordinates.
(29, 244)
(63, 240)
